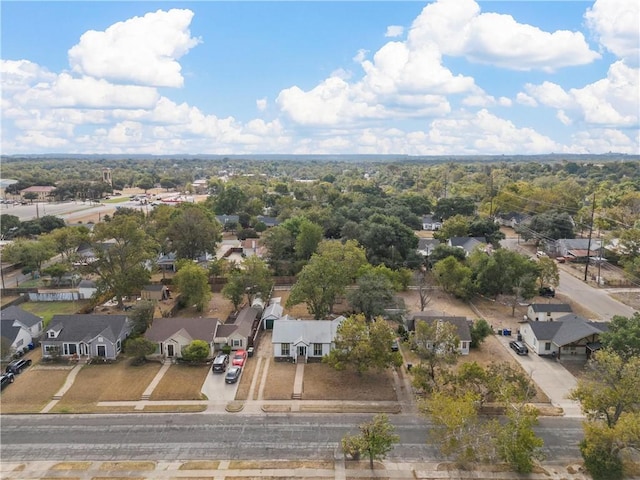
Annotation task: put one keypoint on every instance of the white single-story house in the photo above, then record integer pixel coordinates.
(547, 312)
(468, 244)
(270, 314)
(430, 223)
(427, 245)
(569, 336)
(461, 324)
(173, 334)
(16, 335)
(301, 340)
(28, 320)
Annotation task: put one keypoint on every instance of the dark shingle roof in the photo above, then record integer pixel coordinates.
(461, 323)
(7, 330)
(196, 328)
(78, 328)
(28, 319)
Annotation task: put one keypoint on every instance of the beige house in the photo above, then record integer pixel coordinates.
(44, 192)
(173, 334)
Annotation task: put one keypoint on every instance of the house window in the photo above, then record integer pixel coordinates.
(51, 334)
(19, 344)
(51, 349)
(236, 343)
(548, 314)
(317, 349)
(118, 345)
(464, 345)
(547, 346)
(285, 349)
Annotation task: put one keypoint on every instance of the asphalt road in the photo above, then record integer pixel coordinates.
(227, 436)
(595, 299)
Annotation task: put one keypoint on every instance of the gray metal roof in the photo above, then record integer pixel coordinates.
(305, 331)
(551, 307)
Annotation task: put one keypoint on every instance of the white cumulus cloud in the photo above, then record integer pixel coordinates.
(394, 31)
(616, 23)
(611, 101)
(141, 50)
(458, 28)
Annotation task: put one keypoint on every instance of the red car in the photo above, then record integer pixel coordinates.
(239, 358)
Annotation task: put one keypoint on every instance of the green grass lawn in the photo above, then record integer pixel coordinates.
(118, 199)
(46, 310)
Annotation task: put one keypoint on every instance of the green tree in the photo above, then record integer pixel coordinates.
(442, 251)
(193, 283)
(623, 336)
(122, 248)
(486, 227)
(31, 196)
(66, 240)
(373, 295)
(362, 346)
(458, 430)
(610, 387)
(548, 274)
(56, 271)
(234, 289)
(138, 348)
(448, 207)
(193, 231)
(31, 253)
(516, 441)
(436, 343)
(318, 285)
(308, 239)
(479, 331)
(229, 200)
(377, 438)
(8, 224)
(141, 317)
(196, 351)
(454, 278)
(455, 226)
(553, 225)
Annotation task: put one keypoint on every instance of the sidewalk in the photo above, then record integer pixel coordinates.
(336, 468)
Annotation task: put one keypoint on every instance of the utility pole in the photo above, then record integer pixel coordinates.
(593, 211)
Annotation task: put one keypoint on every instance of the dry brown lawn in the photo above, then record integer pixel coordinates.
(181, 382)
(280, 382)
(32, 390)
(278, 464)
(321, 382)
(117, 381)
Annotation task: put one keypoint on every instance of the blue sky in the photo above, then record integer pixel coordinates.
(418, 78)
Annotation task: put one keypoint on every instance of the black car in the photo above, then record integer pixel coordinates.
(6, 379)
(220, 363)
(233, 374)
(547, 292)
(519, 347)
(17, 366)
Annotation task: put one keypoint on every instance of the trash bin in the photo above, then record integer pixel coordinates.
(500, 332)
(409, 366)
(506, 332)
(250, 352)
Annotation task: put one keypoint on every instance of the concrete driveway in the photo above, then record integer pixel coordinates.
(216, 390)
(552, 378)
